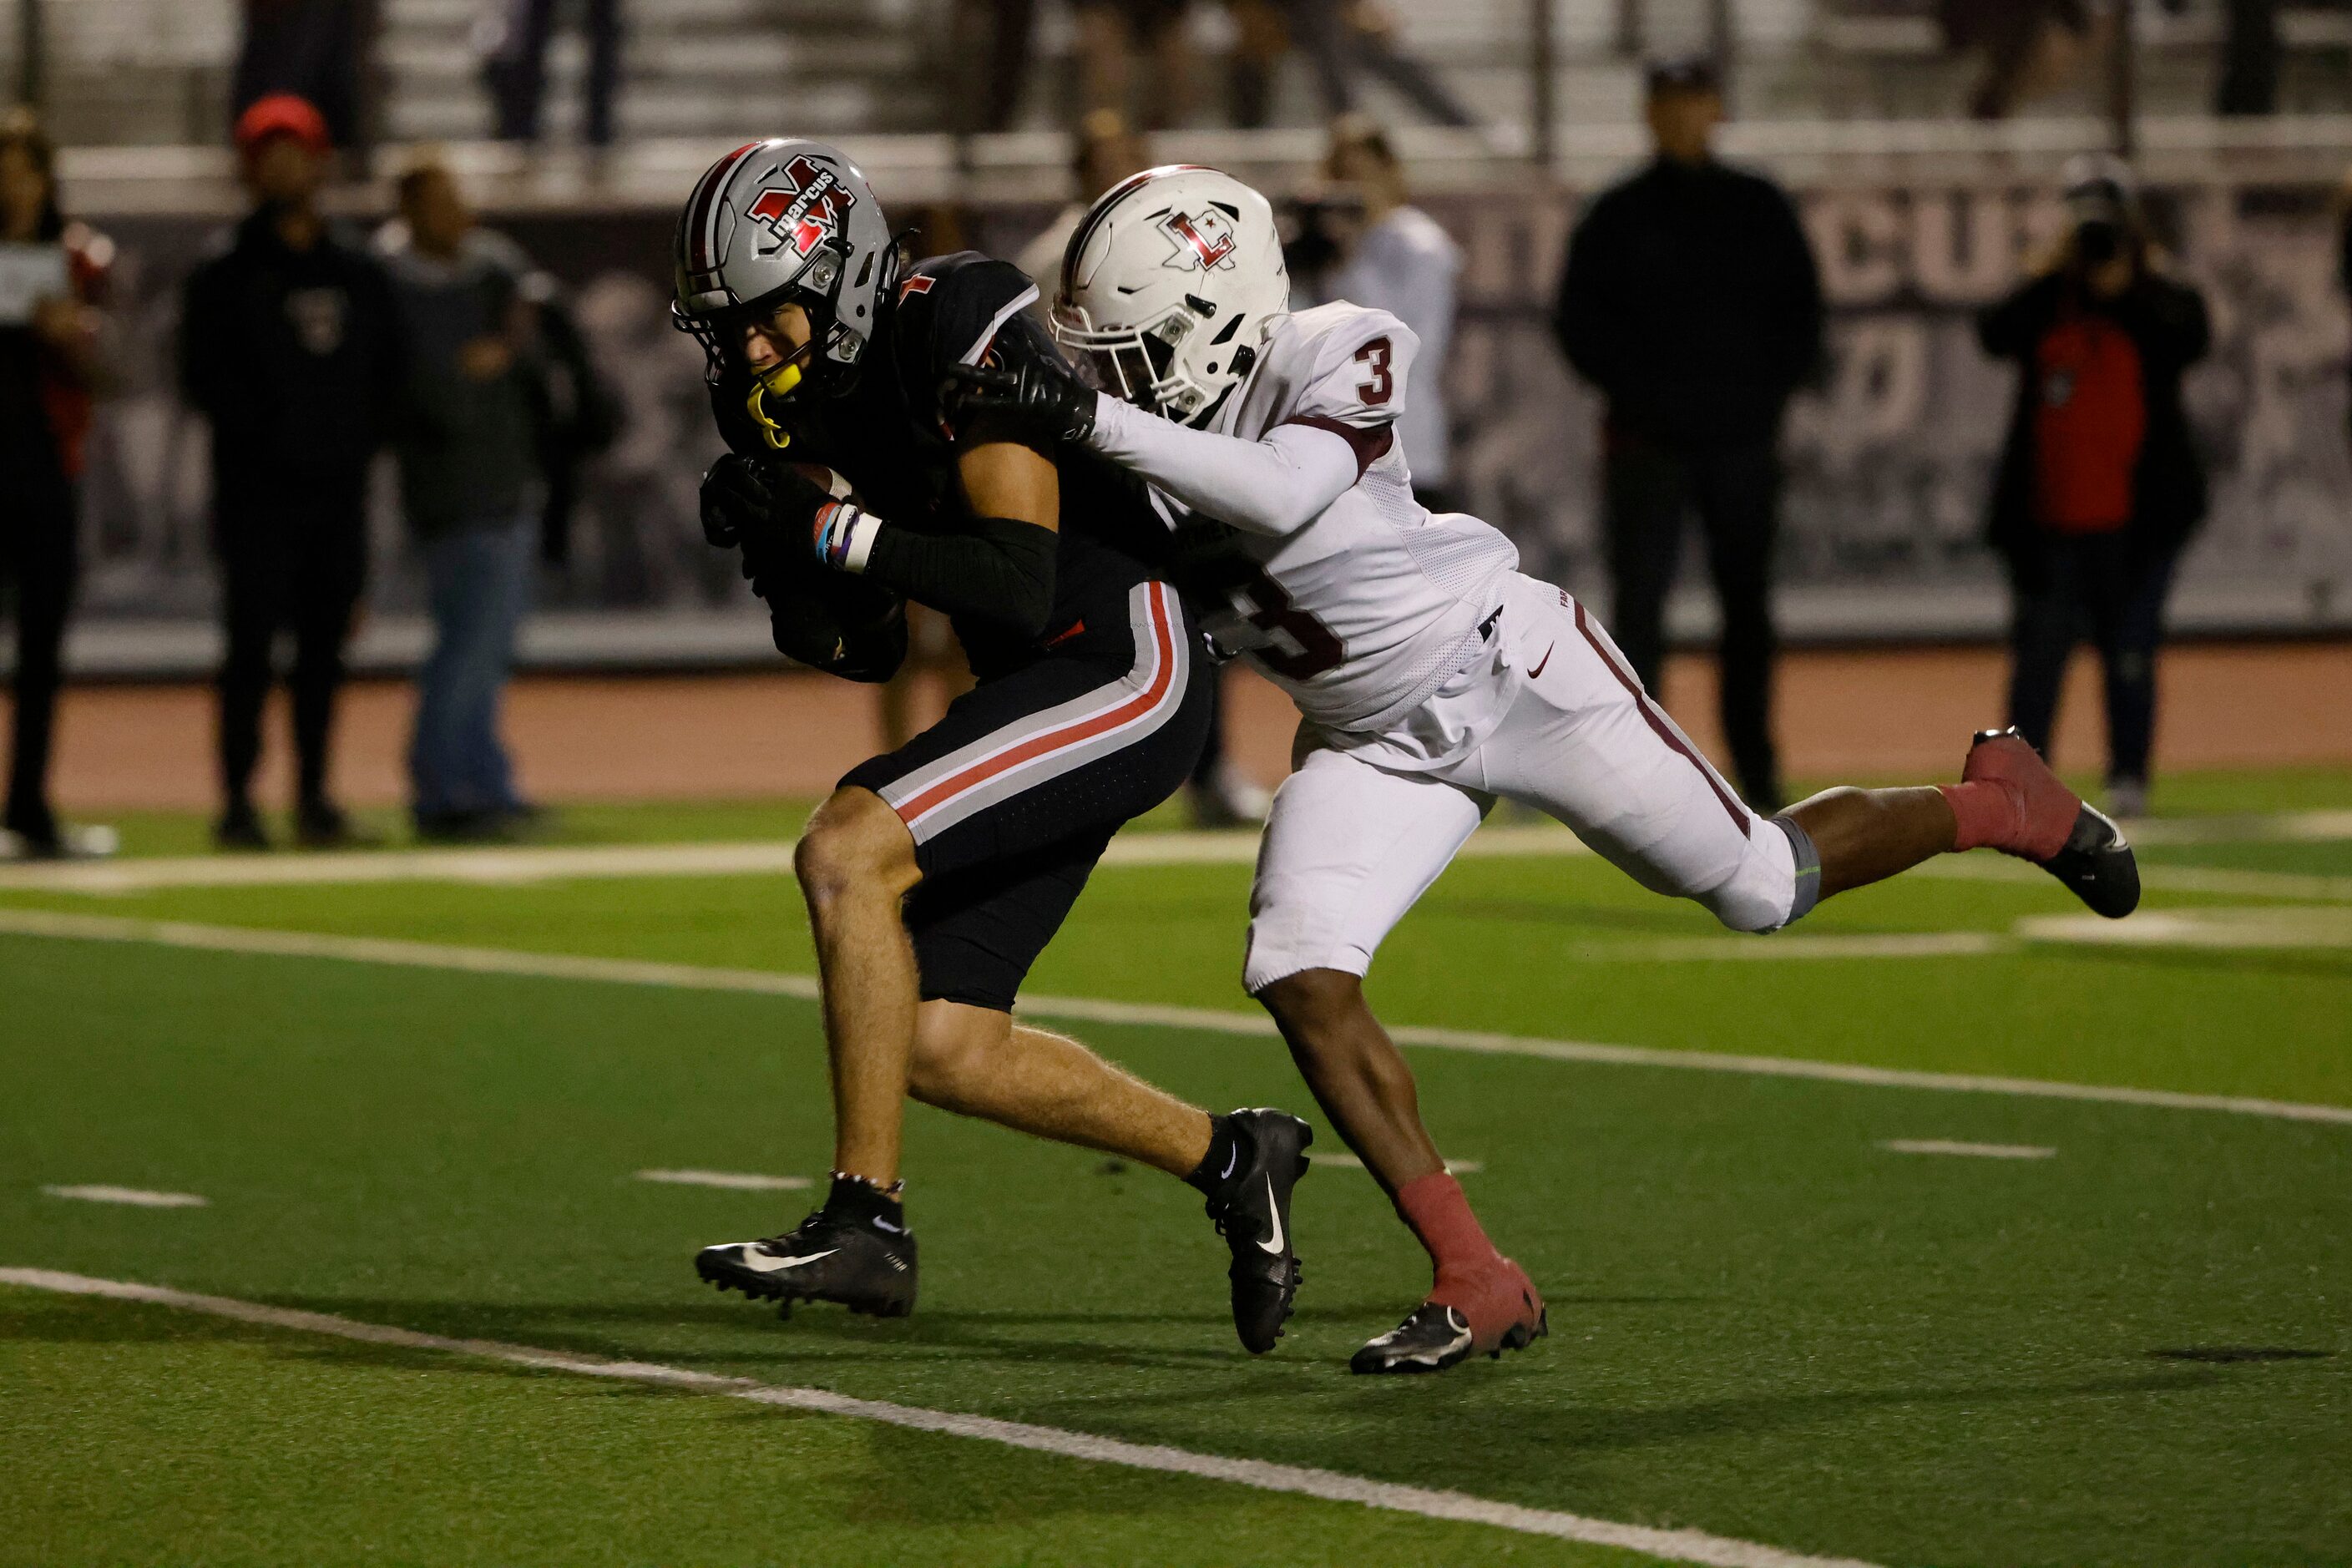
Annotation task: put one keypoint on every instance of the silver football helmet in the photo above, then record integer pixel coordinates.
(773, 222)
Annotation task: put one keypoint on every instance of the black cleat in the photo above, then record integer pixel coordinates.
(1434, 1337)
(1252, 1209)
(825, 1258)
(2097, 865)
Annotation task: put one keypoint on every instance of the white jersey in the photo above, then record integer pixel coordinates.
(1363, 614)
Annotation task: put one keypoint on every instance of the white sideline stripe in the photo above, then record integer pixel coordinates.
(135, 1197)
(1675, 1545)
(1786, 948)
(739, 1181)
(1981, 1151)
(1983, 866)
(2289, 926)
(774, 857)
(687, 976)
(1349, 1162)
(2261, 827)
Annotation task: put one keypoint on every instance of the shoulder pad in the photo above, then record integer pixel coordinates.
(953, 306)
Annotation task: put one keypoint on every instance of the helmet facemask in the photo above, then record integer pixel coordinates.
(1141, 365)
(823, 365)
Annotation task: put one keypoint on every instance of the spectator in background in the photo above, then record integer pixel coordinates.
(1691, 301)
(988, 61)
(2030, 46)
(288, 348)
(1104, 151)
(2099, 485)
(514, 66)
(1393, 256)
(471, 487)
(317, 50)
(1343, 39)
(1111, 33)
(52, 274)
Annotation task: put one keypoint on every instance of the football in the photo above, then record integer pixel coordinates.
(826, 479)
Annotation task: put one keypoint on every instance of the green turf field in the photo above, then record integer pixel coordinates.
(1768, 1327)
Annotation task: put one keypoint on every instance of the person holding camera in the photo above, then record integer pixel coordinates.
(51, 275)
(2099, 486)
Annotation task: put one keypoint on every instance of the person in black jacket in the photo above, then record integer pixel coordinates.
(289, 346)
(1691, 301)
(2099, 485)
(52, 282)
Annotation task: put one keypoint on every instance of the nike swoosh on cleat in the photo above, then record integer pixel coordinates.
(1233, 1158)
(1546, 659)
(769, 1265)
(1275, 1211)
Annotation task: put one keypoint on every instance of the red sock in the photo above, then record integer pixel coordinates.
(1987, 815)
(1440, 1215)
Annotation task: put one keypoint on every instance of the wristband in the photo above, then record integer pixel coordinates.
(843, 535)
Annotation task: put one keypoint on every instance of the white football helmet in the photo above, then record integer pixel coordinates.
(1170, 286)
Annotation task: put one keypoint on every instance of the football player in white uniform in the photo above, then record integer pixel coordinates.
(1433, 678)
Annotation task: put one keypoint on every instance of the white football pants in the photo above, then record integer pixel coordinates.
(1352, 845)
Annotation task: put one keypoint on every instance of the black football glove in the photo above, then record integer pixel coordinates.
(1038, 396)
(763, 507)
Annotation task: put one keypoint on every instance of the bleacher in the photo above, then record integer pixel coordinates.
(154, 72)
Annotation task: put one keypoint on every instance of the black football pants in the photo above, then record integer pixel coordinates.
(2110, 588)
(1736, 491)
(291, 561)
(37, 562)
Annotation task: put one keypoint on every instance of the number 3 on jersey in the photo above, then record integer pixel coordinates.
(1374, 355)
(1259, 619)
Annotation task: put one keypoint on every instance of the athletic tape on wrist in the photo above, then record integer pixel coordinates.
(845, 535)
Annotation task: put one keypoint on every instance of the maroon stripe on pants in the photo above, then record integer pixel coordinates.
(1666, 731)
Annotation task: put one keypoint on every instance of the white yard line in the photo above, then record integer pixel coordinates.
(1976, 1151)
(2267, 926)
(525, 864)
(738, 1181)
(2262, 827)
(137, 1197)
(1332, 1486)
(1349, 1162)
(686, 976)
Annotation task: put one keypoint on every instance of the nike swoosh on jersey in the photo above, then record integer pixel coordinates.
(1546, 659)
(1274, 1211)
(758, 1264)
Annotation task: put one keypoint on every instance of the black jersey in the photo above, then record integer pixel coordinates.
(893, 436)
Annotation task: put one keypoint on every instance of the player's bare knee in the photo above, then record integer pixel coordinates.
(1313, 1002)
(957, 1050)
(853, 842)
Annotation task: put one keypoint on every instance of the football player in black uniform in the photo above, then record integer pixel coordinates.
(935, 874)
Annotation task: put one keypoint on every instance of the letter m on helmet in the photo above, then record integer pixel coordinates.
(806, 210)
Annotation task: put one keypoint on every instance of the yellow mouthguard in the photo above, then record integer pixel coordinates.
(776, 381)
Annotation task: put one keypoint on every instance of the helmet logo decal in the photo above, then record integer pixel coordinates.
(1203, 240)
(806, 210)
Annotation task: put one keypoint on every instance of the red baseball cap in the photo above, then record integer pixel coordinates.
(281, 114)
